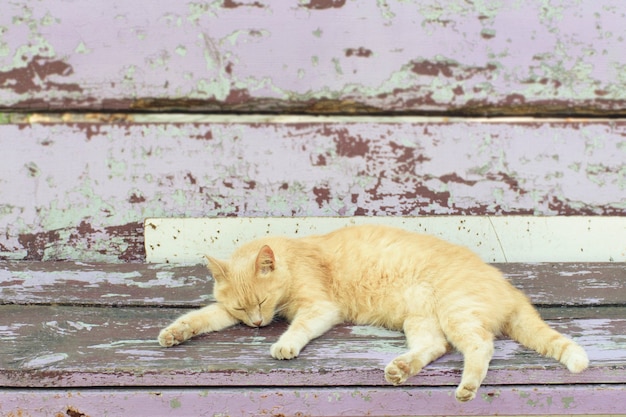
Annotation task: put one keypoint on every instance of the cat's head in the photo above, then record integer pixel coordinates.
(249, 286)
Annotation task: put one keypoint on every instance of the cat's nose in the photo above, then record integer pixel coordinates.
(257, 323)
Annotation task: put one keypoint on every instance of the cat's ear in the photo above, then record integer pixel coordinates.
(217, 268)
(265, 260)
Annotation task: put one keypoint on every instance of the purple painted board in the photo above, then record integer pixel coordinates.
(53, 346)
(316, 56)
(299, 401)
(81, 191)
(68, 283)
(102, 357)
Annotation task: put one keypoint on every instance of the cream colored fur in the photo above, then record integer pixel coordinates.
(441, 295)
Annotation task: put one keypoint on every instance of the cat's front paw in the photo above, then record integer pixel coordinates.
(575, 358)
(174, 334)
(284, 350)
(397, 372)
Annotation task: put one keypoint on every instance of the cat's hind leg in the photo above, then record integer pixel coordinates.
(211, 318)
(476, 345)
(426, 343)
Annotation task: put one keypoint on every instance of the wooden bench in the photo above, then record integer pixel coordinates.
(79, 339)
(113, 112)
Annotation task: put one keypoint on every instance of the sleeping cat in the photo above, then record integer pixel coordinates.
(441, 295)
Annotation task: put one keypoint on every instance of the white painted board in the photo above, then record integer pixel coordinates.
(495, 239)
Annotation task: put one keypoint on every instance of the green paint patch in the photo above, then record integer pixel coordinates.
(175, 403)
(567, 401)
(364, 396)
(334, 397)
(82, 48)
(181, 50)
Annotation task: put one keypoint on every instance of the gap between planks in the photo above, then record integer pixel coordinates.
(173, 117)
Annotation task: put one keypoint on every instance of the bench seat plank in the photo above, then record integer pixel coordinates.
(77, 283)
(55, 346)
(301, 401)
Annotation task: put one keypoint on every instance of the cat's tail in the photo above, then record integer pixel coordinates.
(527, 327)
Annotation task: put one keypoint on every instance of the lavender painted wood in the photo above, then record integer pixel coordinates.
(338, 401)
(93, 358)
(316, 56)
(56, 205)
(69, 283)
(50, 346)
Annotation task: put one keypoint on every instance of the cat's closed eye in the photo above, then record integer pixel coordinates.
(245, 310)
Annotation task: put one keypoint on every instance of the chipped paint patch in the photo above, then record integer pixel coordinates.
(121, 343)
(45, 360)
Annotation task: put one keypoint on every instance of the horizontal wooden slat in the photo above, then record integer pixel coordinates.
(559, 400)
(548, 284)
(81, 191)
(103, 284)
(48, 346)
(317, 56)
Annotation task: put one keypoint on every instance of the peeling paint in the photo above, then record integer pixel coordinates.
(465, 64)
(92, 208)
(45, 360)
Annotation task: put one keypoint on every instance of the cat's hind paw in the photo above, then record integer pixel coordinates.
(397, 372)
(284, 350)
(465, 393)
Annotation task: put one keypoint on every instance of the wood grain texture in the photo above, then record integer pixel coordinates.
(318, 56)
(98, 353)
(49, 346)
(81, 191)
(105, 334)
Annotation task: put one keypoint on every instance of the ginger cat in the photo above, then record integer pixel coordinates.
(441, 295)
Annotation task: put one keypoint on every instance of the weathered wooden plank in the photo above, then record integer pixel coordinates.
(21, 282)
(103, 284)
(570, 284)
(55, 205)
(562, 400)
(319, 56)
(494, 238)
(48, 346)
